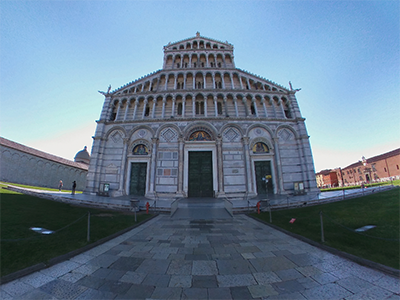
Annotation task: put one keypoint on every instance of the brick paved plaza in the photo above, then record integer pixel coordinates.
(237, 258)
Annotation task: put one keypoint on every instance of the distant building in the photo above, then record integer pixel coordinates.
(383, 167)
(327, 178)
(25, 165)
(200, 127)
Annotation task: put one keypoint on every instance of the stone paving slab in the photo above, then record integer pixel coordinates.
(236, 258)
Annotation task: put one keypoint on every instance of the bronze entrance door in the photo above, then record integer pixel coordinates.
(263, 177)
(137, 184)
(200, 174)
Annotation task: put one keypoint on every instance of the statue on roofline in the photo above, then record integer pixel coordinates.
(108, 91)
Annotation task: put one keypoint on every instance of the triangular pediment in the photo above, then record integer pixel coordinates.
(199, 39)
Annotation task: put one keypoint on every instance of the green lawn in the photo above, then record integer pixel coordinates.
(37, 187)
(394, 182)
(381, 209)
(20, 212)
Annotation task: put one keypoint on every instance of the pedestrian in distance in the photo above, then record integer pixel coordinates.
(73, 187)
(60, 185)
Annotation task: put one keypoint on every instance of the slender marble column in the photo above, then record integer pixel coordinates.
(153, 112)
(158, 84)
(118, 110)
(126, 109)
(135, 109)
(282, 110)
(254, 102)
(216, 106)
(153, 165)
(123, 164)
(236, 107)
(164, 102)
(213, 79)
(232, 83)
(279, 180)
(183, 106)
(205, 107)
(248, 175)
(180, 164)
(144, 108)
(193, 107)
(264, 107)
(244, 100)
(175, 81)
(226, 106)
(173, 107)
(272, 102)
(220, 169)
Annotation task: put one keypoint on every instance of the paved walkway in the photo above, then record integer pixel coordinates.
(236, 258)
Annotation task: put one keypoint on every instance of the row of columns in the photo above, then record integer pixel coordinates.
(183, 85)
(191, 65)
(121, 106)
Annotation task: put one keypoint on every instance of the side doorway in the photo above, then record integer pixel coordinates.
(264, 177)
(137, 184)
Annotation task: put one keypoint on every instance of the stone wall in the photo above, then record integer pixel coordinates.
(24, 165)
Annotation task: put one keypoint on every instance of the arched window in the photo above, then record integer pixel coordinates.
(180, 109)
(199, 107)
(252, 109)
(219, 108)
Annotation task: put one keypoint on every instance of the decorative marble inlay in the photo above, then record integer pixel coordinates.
(116, 137)
(142, 133)
(169, 134)
(231, 134)
(258, 131)
(285, 135)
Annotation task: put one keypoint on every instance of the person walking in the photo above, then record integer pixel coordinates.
(73, 187)
(60, 185)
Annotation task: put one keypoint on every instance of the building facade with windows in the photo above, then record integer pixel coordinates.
(383, 167)
(200, 127)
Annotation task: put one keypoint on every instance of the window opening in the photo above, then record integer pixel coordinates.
(180, 109)
(199, 107)
(252, 109)
(219, 108)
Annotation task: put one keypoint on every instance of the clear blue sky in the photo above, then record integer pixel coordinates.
(344, 55)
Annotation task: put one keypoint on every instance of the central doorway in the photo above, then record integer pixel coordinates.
(263, 177)
(200, 174)
(137, 184)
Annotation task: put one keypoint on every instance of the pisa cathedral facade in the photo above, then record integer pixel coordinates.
(200, 127)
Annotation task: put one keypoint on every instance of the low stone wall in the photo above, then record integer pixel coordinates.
(39, 168)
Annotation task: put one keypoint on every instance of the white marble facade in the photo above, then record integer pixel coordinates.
(199, 101)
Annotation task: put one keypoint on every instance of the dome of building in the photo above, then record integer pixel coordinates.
(82, 156)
